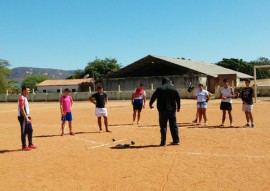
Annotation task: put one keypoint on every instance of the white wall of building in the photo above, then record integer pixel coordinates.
(54, 89)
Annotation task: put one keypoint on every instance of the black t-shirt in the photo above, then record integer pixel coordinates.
(247, 94)
(100, 99)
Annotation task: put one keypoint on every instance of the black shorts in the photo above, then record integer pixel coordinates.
(137, 106)
(225, 106)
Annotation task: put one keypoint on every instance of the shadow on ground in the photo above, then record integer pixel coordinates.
(9, 151)
(127, 146)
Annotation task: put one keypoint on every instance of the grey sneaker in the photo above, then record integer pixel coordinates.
(252, 125)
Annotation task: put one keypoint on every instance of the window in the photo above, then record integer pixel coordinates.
(73, 90)
(58, 90)
(44, 91)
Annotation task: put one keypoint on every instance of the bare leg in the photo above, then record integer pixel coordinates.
(106, 124)
(204, 115)
(223, 116)
(99, 124)
(139, 117)
(134, 116)
(200, 114)
(196, 117)
(63, 127)
(230, 116)
(250, 117)
(247, 117)
(70, 126)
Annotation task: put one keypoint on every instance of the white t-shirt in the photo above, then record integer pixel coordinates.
(201, 95)
(139, 94)
(227, 92)
(23, 101)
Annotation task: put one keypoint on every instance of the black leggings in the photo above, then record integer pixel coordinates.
(26, 129)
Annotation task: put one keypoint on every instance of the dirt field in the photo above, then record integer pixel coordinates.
(208, 159)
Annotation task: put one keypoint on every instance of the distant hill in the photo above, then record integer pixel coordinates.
(18, 74)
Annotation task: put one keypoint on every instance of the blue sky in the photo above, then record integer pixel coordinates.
(67, 34)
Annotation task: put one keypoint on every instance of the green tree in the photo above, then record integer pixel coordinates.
(261, 72)
(99, 68)
(247, 67)
(32, 80)
(4, 72)
(237, 65)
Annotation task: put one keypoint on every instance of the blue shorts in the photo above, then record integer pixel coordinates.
(67, 117)
(202, 104)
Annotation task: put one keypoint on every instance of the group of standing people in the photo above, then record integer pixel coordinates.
(227, 94)
(100, 100)
(168, 103)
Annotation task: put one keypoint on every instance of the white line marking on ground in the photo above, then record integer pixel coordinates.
(85, 140)
(106, 144)
(209, 154)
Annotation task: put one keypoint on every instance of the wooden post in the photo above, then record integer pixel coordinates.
(119, 88)
(255, 86)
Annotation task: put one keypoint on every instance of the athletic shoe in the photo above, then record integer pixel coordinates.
(252, 125)
(222, 125)
(26, 148)
(247, 125)
(32, 146)
(71, 133)
(174, 143)
(162, 144)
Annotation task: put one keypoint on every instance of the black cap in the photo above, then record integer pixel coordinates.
(225, 80)
(247, 80)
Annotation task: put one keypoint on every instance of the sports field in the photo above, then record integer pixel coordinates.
(208, 158)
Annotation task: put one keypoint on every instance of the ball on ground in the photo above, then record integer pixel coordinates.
(133, 142)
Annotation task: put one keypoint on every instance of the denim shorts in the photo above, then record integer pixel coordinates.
(202, 104)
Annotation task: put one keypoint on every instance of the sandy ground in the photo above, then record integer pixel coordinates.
(209, 158)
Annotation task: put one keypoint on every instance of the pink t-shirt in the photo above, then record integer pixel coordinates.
(66, 101)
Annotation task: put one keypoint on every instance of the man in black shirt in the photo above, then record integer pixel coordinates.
(247, 98)
(168, 102)
(100, 100)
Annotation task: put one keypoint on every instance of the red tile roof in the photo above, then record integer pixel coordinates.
(66, 82)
